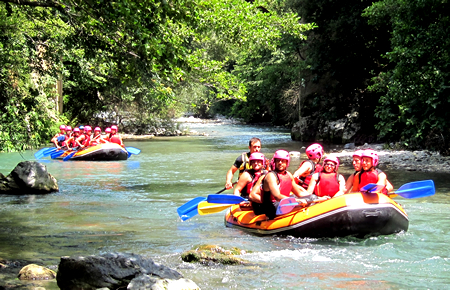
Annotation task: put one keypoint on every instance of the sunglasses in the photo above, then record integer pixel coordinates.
(330, 164)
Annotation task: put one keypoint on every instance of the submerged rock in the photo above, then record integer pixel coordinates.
(116, 270)
(207, 254)
(36, 272)
(28, 177)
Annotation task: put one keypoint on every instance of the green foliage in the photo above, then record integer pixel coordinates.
(416, 90)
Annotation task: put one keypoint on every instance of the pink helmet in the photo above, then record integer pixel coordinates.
(108, 130)
(281, 154)
(68, 128)
(314, 151)
(62, 127)
(257, 156)
(88, 128)
(97, 129)
(372, 154)
(332, 159)
(114, 127)
(358, 153)
(76, 130)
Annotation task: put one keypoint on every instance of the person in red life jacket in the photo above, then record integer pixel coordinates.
(87, 136)
(242, 162)
(97, 137)
(371, 174)
(72, 143)
(357, 164)
(59, 138)
(276, 185)
(308, 167)
(328, 183)
(67, 137)
(114, 137)
(250, 176)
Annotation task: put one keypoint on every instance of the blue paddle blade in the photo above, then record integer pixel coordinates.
(372, 187)
(417, 189)
(133, 150)
(189, 209)
(50, 151)
(40, 153)
(57, 154)
(286, 205)
(69, 156)
(224, 199)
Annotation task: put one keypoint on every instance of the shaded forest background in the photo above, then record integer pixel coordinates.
(139, 64)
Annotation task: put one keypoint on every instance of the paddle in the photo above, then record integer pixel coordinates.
(414, 189)
(205, 207)
(225, 199)
(41, 153)
(69, 156)
(57, 154)
(287, 204)
(133, 150)
(189, 209)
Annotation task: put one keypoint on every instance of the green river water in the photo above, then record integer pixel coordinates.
(130, 206)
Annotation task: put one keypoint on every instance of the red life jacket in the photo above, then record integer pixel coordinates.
(366, 177)
(95, 140)
(327, 184)
(304, 180)
(87, 140)
(255, 176)
(284, 184)
(115, 139)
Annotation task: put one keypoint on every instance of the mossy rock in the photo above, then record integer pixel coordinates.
(206, 254)
(36, 272)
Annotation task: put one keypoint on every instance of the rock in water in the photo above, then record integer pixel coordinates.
(36, 272)
(111, 270)
(29, 177)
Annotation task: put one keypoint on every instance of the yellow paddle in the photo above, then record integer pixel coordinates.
(205, 207)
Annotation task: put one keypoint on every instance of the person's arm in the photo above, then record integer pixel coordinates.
(356, 182)
(349, 184)
(229, 177)
(312, 183)
(271, 185)
(389, 186)
(298, 190)
(303, 170)
(55, 141)
(382, 179)
(342, 186)
(242, 182)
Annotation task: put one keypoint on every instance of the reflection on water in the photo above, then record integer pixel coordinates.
(130, 206)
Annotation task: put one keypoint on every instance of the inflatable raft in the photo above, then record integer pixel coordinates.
(358, 214)
(100, 152)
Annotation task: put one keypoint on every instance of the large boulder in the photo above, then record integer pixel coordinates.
(28, 177)
(36, 272)
(113, 271)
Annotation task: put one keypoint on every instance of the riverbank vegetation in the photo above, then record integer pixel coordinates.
(135, 63)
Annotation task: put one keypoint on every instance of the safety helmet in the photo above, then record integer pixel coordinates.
(81, 127)
(114, 127)
(68, 128)
(358, 153)
(314, 151)
(76, 130)
(88, 128)
(281, 154)
(62, 127)
(97, 129)
(372, 154)
(332, 159)
(108, 130)
(257, 156)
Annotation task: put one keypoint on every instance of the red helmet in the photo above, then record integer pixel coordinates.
(68, 128)
(333, 159)
(108, 130)
(314, 151)
(97, 129)
(62, 127)
(114, 127)
(372, 154)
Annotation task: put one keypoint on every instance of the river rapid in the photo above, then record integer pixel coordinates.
(130, 206)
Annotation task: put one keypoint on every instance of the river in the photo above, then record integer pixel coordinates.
(130, 206)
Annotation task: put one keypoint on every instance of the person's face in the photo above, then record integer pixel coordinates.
(255, 147)
(357, 163)
(96, 133)
(63, 131)
(113, 131)
(280, 164)
(366, 163)
(257, 165)
(329, 166)
(68, 132)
